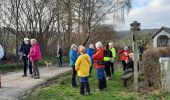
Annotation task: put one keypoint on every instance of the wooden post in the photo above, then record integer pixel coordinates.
(135, 28)
(135, 67)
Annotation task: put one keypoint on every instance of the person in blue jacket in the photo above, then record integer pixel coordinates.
(73, 57)
(89, 51)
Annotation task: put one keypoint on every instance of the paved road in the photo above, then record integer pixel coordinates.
(14, 86)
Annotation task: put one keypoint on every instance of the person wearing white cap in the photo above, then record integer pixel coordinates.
(25, 49)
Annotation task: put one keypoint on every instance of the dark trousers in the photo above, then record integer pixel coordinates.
(27, 64)
(102, 84)
(130, 65)
(91, 69)
(60, 63)
(107, 69)
(112, 68)
(74, 73)
(124, 65)
(35, 68)
(84, 83)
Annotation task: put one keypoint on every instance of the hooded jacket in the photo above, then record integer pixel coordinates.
(90, 53)
(73, 57)
(82, 65)
(1, 52)
(35, 53)
(98, 58)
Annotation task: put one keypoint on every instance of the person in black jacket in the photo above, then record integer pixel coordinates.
(60, 55)
(107, 61)
(25, 49)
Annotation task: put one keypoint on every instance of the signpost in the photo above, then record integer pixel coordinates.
(135, 27)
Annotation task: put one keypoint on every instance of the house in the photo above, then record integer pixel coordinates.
(162, 38)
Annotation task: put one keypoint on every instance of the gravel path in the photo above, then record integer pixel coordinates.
(14, 86)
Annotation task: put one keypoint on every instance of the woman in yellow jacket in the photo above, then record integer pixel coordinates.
(82, 66)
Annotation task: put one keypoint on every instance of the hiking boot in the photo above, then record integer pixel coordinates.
(74, 86)
(37, 77)
(81, 94)
(24, 75)
(32, 76)
(108, 78)
(88, 93)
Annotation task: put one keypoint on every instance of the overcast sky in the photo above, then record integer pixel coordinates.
(150, 13)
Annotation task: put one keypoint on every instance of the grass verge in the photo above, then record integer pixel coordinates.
(63, 91)
(11, 67)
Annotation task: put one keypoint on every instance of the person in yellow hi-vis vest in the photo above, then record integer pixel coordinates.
(113, 56)
(107, 61)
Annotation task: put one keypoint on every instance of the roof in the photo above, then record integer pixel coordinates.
(162, 28)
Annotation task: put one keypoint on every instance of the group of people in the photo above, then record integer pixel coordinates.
(30, 54)
(127, 59)
(82, 62)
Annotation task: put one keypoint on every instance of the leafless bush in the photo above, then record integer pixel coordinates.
(152, 67)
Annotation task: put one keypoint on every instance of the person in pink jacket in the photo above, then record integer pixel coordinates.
(35, 56)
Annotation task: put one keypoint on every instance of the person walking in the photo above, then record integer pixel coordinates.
(82, 66)
(89, 51)
(73, 57)
(25, 49)
(60, 55)
(113, 57)
(124, 57)
(99, 65)
(35, 56)
(1, 53)
(107, 61)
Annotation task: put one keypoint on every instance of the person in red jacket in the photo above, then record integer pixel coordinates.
(35, 56)
(124, 57)
(99, 65)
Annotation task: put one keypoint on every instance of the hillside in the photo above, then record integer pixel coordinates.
(127, 33)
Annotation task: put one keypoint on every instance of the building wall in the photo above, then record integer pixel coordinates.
(156, 37)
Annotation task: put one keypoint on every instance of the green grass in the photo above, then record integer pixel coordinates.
(160, 96)
(63, 91)
(53, 59)
(10, 67)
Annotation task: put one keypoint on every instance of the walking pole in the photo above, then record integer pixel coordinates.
(0, 81)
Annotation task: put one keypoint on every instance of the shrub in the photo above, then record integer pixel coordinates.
(152, 67)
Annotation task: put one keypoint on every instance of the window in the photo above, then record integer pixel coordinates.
(163, 41)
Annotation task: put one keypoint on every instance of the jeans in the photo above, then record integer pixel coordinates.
(60, 63)
(74, 73)
(84, 83)
(101, 78)
(35, 68)
(27, 64)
